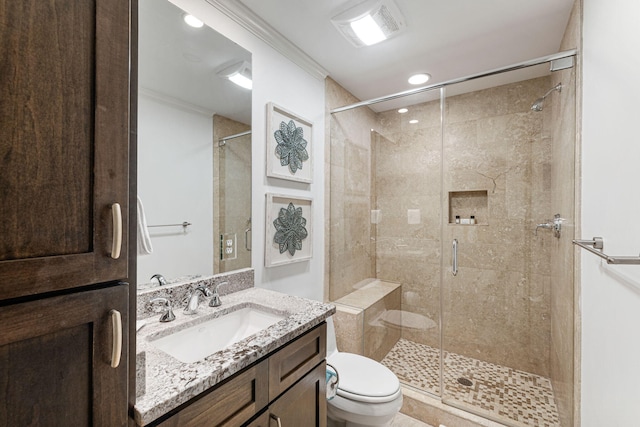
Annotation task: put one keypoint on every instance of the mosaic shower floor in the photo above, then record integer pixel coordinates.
(521, 398)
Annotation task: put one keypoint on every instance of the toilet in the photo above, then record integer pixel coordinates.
(368, 394)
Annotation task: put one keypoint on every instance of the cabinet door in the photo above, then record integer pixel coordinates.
(56, 361)
(304, 404)
(64, 102)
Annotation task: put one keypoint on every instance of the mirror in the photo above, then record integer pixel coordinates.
(194, 148)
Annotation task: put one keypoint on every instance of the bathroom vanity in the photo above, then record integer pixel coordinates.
(276, 373)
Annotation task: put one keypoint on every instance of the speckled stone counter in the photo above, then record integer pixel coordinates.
(168, 382)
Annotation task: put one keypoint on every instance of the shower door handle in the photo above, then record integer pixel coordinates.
(454, 258)
(246, 239)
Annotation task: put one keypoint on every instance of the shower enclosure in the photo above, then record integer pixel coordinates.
(232, 194)
(444, 250)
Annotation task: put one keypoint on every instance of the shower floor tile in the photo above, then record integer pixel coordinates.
(521, 398)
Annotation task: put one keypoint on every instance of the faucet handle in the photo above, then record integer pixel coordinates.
(161, 280)
(205, 291)
(167, 315)
(215, 299)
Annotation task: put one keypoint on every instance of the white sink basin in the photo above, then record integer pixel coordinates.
(201, 340)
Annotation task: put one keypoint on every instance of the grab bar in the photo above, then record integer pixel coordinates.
(598, 243)
(185, 224)
(454, 263)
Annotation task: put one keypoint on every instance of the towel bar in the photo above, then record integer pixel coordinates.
(598, 243)
(184, 224)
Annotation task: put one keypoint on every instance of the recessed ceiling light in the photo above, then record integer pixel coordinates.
(192, 21)
(403, 110)
(413, 122)
(418, 79)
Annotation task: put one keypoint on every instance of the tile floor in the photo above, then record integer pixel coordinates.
(402, 420)
(517, 397)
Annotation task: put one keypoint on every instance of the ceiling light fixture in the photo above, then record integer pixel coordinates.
(418, 79)
(239, 73)
(403, 110)
(413, 122)
(370, 22)
(192, 21)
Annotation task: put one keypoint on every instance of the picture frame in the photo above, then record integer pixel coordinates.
(289, 143)
(288, 230)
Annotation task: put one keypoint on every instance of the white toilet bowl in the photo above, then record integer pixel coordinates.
(368, 394)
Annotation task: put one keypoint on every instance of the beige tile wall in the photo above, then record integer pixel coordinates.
(232, 191)
(351, 253)
(361, 326)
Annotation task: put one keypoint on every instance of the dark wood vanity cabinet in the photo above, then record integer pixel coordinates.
(56, 357)
(64, 181)
(304, 404)
(64, 143)
(288, 385)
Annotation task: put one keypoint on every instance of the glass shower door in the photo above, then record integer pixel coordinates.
(232, 204)
(498, 171)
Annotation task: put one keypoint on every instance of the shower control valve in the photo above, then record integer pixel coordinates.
(554, 224)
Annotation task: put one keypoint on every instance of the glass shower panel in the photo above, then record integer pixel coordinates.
(406, 218)
(498, 167)
(232, 205)
(384, 234)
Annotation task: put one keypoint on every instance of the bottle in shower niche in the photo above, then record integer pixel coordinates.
(457, 219)
(472, 219)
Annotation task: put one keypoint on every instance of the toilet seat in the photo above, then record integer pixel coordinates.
(364, 380)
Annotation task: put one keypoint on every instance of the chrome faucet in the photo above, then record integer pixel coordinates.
(215, 299)
(160, 278)
(194, 299)
(167, 314)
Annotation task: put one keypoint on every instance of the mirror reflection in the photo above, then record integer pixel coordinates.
(194, 147)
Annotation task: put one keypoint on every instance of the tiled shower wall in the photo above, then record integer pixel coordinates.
(231, 190)
(563, 178)
(351, 253)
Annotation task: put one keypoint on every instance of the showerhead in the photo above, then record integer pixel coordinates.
(539, 104)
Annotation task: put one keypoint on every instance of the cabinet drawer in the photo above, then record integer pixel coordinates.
(230, 404)
(296, 359)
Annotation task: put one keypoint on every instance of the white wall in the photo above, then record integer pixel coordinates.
(175, 184)
(278, 80)
(610, 208)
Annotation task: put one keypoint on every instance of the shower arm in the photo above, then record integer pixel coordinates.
(557, 87)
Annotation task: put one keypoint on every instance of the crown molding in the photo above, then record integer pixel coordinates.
(251, 22)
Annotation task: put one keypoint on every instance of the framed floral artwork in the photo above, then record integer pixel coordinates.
(288, 145)
(288, 230)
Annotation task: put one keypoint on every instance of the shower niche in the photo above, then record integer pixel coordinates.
(465, 204)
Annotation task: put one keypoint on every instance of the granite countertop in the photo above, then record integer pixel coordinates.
(165, 383)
